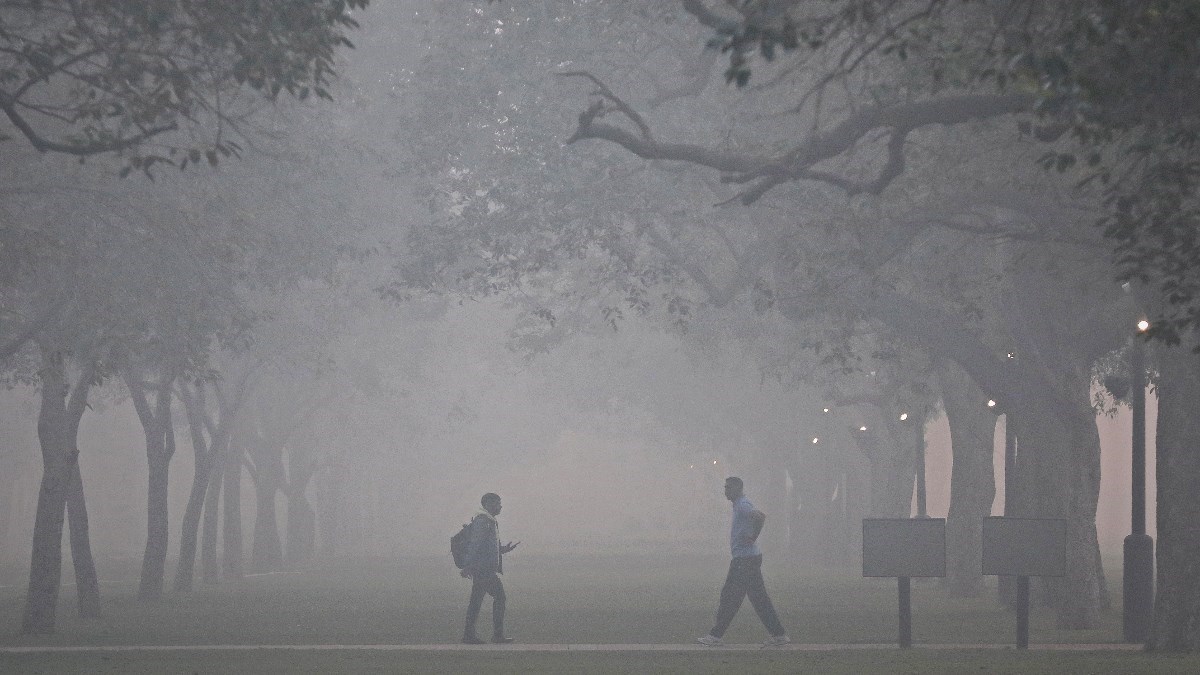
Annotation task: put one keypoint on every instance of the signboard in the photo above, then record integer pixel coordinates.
(904, 547)
(1025, 547)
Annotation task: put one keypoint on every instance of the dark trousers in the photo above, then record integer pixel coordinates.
(745, 578)
(480, 586)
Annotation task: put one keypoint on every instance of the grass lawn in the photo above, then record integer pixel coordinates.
(552, 600)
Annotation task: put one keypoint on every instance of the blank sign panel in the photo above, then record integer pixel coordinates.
(904, 547)
(1025, 547)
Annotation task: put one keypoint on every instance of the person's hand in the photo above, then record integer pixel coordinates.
(508, 547)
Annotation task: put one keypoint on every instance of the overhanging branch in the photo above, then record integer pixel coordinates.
(43, 144)
(763, 173)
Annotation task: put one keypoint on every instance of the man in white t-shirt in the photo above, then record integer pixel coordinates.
(745, 572)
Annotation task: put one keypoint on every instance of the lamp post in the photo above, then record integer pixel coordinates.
(1007, 586)
(1138, 578)
(918, 422)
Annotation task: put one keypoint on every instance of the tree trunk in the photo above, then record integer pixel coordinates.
(1177, 599)
(58, 423)
(266, 553)
(45, 570)
(205, 452)
(972, 482)
(160, 447)
(231, 528)
(87, 583)
(301, 526)
(209, 569)
(1060, 478)
(185, 570)
(155, 556)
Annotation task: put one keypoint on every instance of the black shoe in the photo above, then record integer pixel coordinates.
(471, 640)
(501, 640)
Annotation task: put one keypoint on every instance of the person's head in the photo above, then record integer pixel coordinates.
(733, 488)
(491, 503)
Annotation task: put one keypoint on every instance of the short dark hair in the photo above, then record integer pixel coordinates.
(734, 481)
(489, 497)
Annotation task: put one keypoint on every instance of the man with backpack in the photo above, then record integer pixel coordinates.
(483, 565)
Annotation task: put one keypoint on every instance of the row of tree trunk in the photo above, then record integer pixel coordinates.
(219, 466)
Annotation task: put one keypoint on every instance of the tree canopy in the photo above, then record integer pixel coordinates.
(159, 81)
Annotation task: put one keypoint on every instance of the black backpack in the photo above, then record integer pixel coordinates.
(459, 544)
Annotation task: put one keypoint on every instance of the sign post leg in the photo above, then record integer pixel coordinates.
(1022, 612)
(905, 589)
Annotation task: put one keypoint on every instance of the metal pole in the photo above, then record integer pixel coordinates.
(905, 589)
(1138, 577)
(1138, 384)
(1022, 612)
(1010, 465)
(1005, 583)
(919, 426)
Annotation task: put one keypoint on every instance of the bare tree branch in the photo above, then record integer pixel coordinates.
(798, 163)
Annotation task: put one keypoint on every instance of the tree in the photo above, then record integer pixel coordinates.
(566, 254)
(159, 82)
(945, 63)
(210, 431)
(1114, 81)
(161, 289)
(851, 267)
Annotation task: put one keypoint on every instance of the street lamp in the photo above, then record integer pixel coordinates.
(1006, 587)
(1138, 591)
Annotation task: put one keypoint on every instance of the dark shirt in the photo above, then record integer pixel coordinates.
(483, 555)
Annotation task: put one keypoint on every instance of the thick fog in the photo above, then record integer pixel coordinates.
(619, 445)
(303, 302)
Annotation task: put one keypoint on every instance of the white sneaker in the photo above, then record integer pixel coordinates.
(777, 641)
(710, 641)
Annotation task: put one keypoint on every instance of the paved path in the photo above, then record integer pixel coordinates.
(35, 649)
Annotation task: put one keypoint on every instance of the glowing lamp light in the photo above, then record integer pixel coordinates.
(1143, 326)
(991, 403)
(903, 416)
